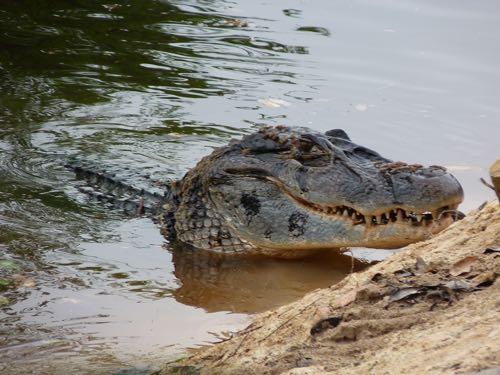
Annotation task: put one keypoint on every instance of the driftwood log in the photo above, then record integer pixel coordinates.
(495, 177)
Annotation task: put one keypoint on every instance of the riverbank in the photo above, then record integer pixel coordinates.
(431, 309)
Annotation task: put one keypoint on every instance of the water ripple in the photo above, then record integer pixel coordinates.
(145, 88)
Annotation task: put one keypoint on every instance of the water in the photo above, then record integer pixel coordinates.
(147, 88)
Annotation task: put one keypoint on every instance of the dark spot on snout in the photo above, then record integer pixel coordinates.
(297, 224)
(251, 204)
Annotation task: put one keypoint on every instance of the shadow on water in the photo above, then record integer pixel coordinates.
(146, 88)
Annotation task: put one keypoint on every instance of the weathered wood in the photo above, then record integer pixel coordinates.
(495, 177)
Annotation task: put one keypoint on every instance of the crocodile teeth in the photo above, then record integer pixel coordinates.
(399, 216)
(358, 218)
(396, 215)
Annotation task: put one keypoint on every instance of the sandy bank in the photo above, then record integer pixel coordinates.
(431, 309)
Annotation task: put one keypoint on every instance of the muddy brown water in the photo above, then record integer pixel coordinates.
(145, 89)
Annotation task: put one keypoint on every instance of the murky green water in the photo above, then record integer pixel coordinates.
(147, 88)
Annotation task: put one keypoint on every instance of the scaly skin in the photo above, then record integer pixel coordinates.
(291, 191)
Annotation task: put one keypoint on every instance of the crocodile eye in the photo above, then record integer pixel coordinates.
(263, 142)
(302, 144)
(312, 156)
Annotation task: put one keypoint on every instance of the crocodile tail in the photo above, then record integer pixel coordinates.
(108, 188)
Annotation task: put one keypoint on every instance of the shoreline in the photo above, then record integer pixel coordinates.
(431, 308)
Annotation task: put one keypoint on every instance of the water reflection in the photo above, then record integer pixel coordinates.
(86, 53)
(146, 88)
(253, 284)
(129, 300)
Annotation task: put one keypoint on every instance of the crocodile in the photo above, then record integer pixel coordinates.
(291, 191)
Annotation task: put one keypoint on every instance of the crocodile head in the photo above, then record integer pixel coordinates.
(287, 191)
